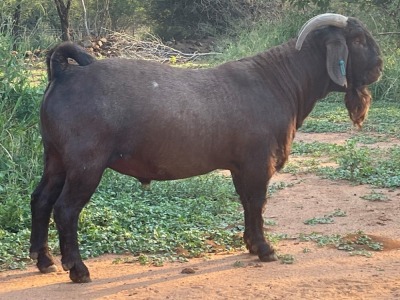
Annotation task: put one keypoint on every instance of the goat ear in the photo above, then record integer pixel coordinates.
(336, 61)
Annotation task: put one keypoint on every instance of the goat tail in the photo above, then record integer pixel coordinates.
(57, 58)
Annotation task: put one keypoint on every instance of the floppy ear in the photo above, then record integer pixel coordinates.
(336, 60)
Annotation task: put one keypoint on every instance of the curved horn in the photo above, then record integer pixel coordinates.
(319, 21)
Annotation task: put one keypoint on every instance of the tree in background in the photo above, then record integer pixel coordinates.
(63, 13)
(195, 19)
(391, 8)
(85, 19)
(170, 19)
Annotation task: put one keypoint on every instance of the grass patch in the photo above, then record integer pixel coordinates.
(327, 219)
(287, 259)
(192, 216)
(315, 149)
(377, 167)
(330, 115)
(323, 220)
(375, 196)
(358, 243)
(172, 221)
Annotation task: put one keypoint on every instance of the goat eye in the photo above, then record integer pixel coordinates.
(357, 42)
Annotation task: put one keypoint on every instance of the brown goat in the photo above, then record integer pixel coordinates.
(156, 122)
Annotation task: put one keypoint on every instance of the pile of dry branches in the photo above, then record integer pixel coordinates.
(152, 48)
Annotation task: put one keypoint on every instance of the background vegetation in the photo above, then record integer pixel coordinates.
(189, 217)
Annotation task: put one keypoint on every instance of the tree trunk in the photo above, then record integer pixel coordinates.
(85, 18)
(63, 13)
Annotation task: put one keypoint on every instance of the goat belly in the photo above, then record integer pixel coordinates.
(153, 171)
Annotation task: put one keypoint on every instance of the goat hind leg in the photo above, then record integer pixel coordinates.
(79, 187)
(42, 200)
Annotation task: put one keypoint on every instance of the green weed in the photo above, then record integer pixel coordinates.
(287, 259)
(327, 219)
(378, 167)
(270, 222)
(358, 243)
(275, 238)
(321, 239)
(238, 264)
(375, 196)
(323, 220)
(186, 213)
(361, 252)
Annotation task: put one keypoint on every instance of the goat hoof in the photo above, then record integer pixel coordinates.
(268, 257)
(79, 279)
(49, 269)
(79, 274)
(34, 255)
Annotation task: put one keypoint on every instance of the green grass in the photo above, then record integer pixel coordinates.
(377, 167)
(122, 218)
(357, 160)
(259, 37)
(352, 161)
(330, 115)
(327, 219)
(375, 196)
(180, 214)
(358, 243)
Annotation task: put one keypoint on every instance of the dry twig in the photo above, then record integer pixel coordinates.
(124, 45)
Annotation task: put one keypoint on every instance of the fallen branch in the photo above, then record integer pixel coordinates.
(124, 45)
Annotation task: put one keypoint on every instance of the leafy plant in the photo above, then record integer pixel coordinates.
(286, 259)
(338, 213)
(327, 219)
(269, 222)
(323, 220)
(238, 264)
(361, 252)
(355, 162)
(321, 239)
(356, 244)
(275, 238)
(375, 196)
(359, 244)
(368, 166)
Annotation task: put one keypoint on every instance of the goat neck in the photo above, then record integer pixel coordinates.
(298, 77)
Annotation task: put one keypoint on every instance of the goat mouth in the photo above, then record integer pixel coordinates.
(373, 76)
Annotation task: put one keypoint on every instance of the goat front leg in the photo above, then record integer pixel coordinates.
(252, 188)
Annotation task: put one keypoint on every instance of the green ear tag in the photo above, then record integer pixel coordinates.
(342, 67)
